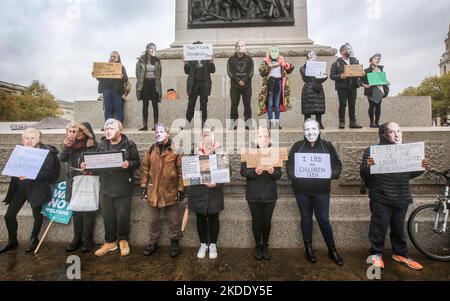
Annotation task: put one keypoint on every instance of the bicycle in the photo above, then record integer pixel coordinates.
(428, 224)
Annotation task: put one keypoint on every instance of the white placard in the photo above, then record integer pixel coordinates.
(316, 69)
(395, 158)
(25, 162)
(191, 167)
(312, 166)
(103, 160)
(198, 52)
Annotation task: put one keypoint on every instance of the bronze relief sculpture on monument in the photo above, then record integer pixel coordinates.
(238, 13)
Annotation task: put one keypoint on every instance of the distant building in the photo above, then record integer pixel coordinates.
(12, 89)
(67, 109)
(445, 60)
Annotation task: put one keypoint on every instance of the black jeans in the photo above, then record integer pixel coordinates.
(374, 112)
(11, 216)
(83, 225)
(198, 90)
(261, 220)
(149, 93)
(116, 217)
(382, 217)
(208, 224)
(347, 95)
(235, 95)
(320, 206)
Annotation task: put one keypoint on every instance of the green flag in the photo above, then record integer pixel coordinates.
(377, 78)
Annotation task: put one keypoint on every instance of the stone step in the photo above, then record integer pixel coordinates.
(349, 216)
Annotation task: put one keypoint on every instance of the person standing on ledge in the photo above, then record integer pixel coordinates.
(375, 94)
(199, 83)
(346, 87)
(148, 84)
(240, 69)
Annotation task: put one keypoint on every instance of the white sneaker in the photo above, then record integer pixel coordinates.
(202, 251)
(212, 251)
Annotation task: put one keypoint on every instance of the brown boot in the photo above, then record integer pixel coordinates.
(124, 248)
(106, 248)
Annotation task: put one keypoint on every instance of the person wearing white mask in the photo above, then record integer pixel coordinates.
(162, 187)
(313, 194)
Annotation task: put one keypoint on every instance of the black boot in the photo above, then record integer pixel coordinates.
(355, 125)
(341, 125)
(265, 252)
(309, 252)
(144, 128)
(74, 245)
(32, 244)
(150, 249)
(258, 252)
(12, 244)
(334, 256)
(175, 248)
(87, 246)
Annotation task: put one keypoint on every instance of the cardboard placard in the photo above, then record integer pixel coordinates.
(107, 70)
(264, 157)
(354, 70)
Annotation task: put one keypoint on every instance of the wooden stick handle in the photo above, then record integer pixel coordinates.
(43, 237)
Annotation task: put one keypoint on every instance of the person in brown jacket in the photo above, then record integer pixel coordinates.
(162, 187)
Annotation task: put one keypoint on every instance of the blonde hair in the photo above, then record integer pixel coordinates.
(72, 125)
(261, 128)
(31, 132)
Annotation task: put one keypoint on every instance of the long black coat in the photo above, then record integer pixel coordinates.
(260, 188)
(190, 69)
(313, 96)
(390, 189)
(38, 190)
(368, 92)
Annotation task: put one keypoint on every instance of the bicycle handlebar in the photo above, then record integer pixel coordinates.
(445, 174)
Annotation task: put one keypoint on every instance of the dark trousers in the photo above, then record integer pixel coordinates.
(320, 206)
(208, 224)
(261, 220)
(11, 217)
(382, 217)
(374, 112)
(199, 89)
(173, 217)
(83, 225)
(149, 94)
(116, 217)
(113, 103)
(347, 96)
(235, 95)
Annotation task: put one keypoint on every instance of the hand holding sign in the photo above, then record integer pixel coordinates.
(312, 166)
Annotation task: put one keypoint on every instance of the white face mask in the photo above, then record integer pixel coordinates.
(349, 49)
(240, 48)
(311, 131)
(160, 134)
(312, 56)
(394, 134)
(111, 129)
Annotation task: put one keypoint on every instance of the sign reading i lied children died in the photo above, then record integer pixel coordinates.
(312, 166)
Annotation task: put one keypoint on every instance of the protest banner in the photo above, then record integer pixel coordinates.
(198, 170)
(312, 166)
(197, 52)
(264, 157)
(377, 78)
(396, 158)
(316, 69)
(354, 70)
(25, 161)
(103, 160)
(107, 70)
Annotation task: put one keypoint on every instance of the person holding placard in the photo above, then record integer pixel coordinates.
(148, 84)
(313, 96)
(199, 84)
(375, 94)
(207, 201)
(311, 166)
(240, 70)
(261, 194)
(37, 192)
(162, 187)
(116, 188)
(80, 138)
(274, 97)
(390, 197)
(346, 87)
(113, 90)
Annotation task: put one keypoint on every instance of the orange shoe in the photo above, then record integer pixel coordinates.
(408, 261)
(377, 261)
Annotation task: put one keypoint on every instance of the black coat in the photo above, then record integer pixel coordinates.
(260, 188)
(119, 182)
(38, 190)
(390, 189)
(314, 186)
(337, 69)
(117, 85)
(240, 69)
(368, 92)
(313, 96)
(190, 69)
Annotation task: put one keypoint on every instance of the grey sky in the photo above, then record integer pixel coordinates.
(56, 41)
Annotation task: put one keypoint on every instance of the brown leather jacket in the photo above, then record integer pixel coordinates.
(162, 176)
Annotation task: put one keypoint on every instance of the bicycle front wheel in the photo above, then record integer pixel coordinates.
(426, 237)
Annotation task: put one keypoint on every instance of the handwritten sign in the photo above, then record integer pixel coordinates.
(107, 70)
(354, 70)
(95, 161)
(198, 170)
(316, 69)
(198, 52)
(395, 158)
(57, 209)
(264, 157)
(312, 166)
(25, 161)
